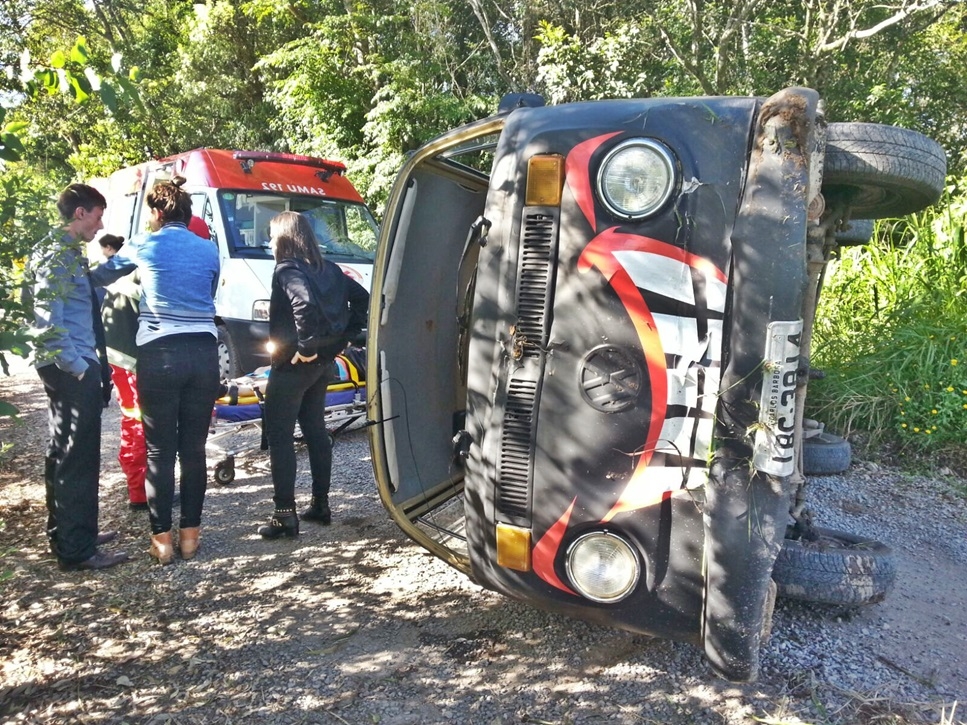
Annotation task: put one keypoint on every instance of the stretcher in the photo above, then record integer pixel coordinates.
(233, 416)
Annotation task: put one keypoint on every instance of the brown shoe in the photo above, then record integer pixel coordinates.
(188, 542)
(161, 548)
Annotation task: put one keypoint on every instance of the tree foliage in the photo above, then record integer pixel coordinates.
(93, 85)
(368, 81)
(895, 62)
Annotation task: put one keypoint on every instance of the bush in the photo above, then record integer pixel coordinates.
(891, 333)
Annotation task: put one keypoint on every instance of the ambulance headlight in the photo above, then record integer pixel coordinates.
(602, 567)
(636, 178)
(260, 310)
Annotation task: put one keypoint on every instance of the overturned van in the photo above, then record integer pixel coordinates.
(589, 344)
(237, 193)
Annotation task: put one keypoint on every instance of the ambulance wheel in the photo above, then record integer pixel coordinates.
(882, 171)
(835, 568)
(224, 472)
(228, 358)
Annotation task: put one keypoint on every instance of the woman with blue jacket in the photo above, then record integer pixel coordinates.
(177, 365)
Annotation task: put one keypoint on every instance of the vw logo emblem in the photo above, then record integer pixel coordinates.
(610, 379)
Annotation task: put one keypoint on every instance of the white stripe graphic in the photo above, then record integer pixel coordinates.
(670, 278)
(673, 279)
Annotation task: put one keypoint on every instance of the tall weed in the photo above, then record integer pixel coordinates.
(891, 333)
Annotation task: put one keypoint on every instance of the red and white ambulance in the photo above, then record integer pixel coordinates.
(236, 193)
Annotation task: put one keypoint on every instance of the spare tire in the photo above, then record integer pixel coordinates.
(882, 171)
(835, 568)
(825, 454)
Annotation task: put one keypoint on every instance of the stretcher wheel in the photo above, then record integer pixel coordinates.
(225, 472)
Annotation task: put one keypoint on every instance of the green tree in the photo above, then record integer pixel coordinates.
(371, 83)
(30, 173)
(897, 62)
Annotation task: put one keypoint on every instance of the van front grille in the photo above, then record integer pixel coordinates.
(537, 249)
(516, 449)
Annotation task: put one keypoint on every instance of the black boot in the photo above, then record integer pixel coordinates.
(318, 511)
(284, 522)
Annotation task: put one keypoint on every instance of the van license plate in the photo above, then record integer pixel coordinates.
(773, 451)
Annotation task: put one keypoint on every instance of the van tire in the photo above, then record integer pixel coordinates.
(229, 366)
(836, 568)
(826, 454)
(882, 171)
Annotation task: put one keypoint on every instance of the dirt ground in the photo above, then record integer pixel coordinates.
(354, 623)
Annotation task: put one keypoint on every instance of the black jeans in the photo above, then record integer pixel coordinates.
(73, 460)
(298, 392)
(177, 387)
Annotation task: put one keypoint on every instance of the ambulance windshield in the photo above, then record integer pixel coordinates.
(346, 232)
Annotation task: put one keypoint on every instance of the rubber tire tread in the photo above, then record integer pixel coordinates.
(826, 454)
(886, 171)
(234, 367)
(853, 571)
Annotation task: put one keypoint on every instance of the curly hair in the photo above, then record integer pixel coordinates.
(172, 204)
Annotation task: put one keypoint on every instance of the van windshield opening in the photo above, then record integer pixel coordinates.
(346, 231)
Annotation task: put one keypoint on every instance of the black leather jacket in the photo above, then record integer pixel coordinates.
(313, 311)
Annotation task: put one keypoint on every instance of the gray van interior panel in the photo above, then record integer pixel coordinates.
(424, 389)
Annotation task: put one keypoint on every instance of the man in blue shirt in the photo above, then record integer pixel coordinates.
(67, 362)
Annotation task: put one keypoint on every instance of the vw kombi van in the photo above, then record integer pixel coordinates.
(589, 349)
(236, 193)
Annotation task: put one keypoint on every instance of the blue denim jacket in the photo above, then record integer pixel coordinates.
(179, 277)
(62, 306)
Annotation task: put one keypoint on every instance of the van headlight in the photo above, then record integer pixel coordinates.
(602, 566)
(636, 178)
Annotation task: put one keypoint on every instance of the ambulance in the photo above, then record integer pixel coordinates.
(236, 194)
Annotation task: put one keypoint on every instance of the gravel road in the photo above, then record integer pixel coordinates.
(353, 623)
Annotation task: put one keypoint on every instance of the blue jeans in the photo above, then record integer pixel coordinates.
(298, 392)
(73, 460)
(177, 387)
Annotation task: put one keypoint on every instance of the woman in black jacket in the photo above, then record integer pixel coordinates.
(314, 310)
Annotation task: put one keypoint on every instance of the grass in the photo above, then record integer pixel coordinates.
(891, 335)
(857, 708)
